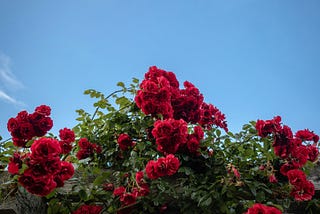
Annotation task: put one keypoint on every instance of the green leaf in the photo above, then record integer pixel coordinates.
(83, 195)
(121, 84)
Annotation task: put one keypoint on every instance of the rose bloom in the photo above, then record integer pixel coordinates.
(307, 135)
(67, 135)
(304, 192)
(172, 164)
(43, 109)
(169, 134)
(267, 127)
(119, 191)
(65, 147)
(124, 142)
(273, 179)
(296, 177)
(88, 209)
(151, 170)
(45, 147)
(127, 199)
(139, 177)
(299, 156)
(15, 164)
(262, 209)
(42, 185)
(313, 153)
(84, 143)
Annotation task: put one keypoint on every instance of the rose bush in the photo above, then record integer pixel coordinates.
(156, 148)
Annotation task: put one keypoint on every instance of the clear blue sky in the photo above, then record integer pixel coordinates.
(252, 59)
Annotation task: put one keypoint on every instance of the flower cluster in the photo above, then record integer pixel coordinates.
(302, 190)
(88, 209)
(159, 94)
(260, 208)
(67, 137)
(25, 126)
(45, 171)
(125, 142)
(87, 149)
(164, 166)
(170, 134)
(128, 196)
(292, 151)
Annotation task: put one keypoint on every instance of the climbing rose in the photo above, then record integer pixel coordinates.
(262, 209)
(125, 142)
(88, 209)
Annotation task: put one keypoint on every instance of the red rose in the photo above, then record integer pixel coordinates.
(41, 186)
(299, 156)
(15, 164)
(84, 143)
(67, 170)
(296, 177)
(108, 187)
(26, 131)
(307, 135)
(169, 134)
(124, 142)
(88, 209)
(65, 147)
(304, 192)
(139, 177)
(151, 169)
(313, 153)
(67, 135)
(285, 168)
(273, 179)
(119, 191)
(193, 144)
(172, 164)
(45, 147)
(43, 109)
(161, 168)
(262, 209)
(267, 127)
(127, 199)
(12, 125)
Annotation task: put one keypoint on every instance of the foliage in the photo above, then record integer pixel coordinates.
(122, 158)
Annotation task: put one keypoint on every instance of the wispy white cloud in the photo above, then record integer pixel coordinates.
(8, 81)
(6, 76)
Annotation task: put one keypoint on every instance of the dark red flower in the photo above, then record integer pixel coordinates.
(127, 199)
(284, 143)
(125, 142)
(267, 127)
(172, 164)
(307, 135)
(88, 209)
(273, 179)
(151, 169)
(15, 164)
(262, 209)
(45, 148)
(65, 147)
(211, 115)
(43, 109)
(119, 191)
(42, 185)
(296, 177)
(67, 135)
(313, 153)
(108, 186)
(299, 156)
(303, 192)
(169, 134)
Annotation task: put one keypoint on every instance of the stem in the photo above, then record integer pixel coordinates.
(97, 109)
